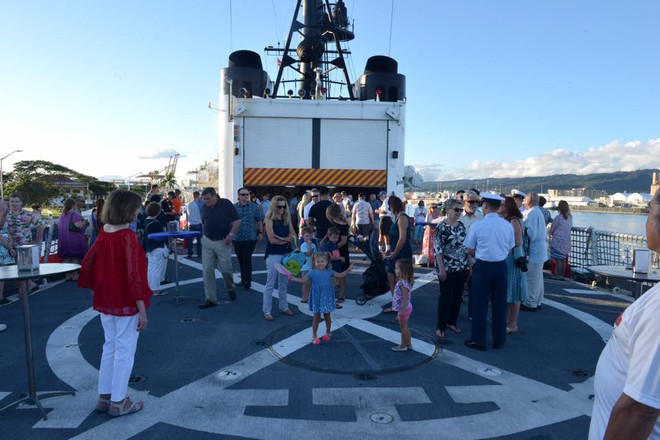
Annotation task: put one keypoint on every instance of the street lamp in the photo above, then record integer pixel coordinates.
(129, 180)
(2, 185)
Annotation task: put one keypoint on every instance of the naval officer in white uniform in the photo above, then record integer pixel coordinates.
(489, 241)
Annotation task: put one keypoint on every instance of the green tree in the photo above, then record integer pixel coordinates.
(169, 181)
(41, 181)
(32, 191)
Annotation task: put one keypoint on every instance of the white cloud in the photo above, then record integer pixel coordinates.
(160, 153)
(611, 157)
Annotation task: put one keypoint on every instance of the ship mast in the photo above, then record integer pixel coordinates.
(321, 29)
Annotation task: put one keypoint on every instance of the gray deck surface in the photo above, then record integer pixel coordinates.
(226, 373)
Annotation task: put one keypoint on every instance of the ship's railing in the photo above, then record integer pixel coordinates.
(49, 242)
(590, 247)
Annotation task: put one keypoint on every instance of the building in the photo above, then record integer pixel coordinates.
(577, 192)
(619, 199)
(572, 200)
(639, 199)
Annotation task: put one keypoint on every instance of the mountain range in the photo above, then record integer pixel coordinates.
(620, 181)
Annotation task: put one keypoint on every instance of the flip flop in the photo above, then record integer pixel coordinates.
(455, 329)
(340, 300)
(326, 338)
(338, 306)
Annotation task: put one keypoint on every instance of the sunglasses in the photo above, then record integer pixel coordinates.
(281, 206)
(243, 194)
(458, 209)
(315, 196)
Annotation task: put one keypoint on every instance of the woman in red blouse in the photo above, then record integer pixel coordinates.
(115, 268)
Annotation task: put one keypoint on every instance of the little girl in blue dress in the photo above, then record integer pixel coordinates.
(322, 294)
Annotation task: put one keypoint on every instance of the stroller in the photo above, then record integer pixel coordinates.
(374, 279)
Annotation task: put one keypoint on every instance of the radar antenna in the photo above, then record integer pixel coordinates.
(321, 26)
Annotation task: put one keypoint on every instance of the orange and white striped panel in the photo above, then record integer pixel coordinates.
(313, 177)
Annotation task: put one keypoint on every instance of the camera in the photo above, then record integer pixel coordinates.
(521, 263)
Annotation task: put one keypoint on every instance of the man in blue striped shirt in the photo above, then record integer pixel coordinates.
(250, 230)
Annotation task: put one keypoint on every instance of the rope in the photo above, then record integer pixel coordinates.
(231, 28)
(278, 33)
(389, 48)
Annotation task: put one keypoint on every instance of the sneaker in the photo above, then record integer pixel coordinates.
(3, 327)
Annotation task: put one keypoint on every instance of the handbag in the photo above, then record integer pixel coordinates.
(73, 227)
(295, 260)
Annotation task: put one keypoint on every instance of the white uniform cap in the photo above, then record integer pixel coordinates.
(491, 196)
(517, 193)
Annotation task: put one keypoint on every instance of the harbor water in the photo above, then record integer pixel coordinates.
(622, 223)
(602, 221)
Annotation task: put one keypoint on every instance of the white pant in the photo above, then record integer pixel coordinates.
(121, 338)
(535, 287)
(282, 284)
(156, 267)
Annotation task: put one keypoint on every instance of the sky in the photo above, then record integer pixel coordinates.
(495, 88)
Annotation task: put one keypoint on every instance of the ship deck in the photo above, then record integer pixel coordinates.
(226, 373)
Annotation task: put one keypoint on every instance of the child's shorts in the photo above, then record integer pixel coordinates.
(406, 314)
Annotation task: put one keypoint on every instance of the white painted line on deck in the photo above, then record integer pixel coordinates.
(600, 293)
(208, 405)
(599, 326)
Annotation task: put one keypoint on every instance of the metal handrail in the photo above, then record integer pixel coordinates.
(590, 247)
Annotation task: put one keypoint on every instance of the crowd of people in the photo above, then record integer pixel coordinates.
(494, 246)
(324, 222)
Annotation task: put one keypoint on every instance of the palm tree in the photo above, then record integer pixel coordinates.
(169, 181)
